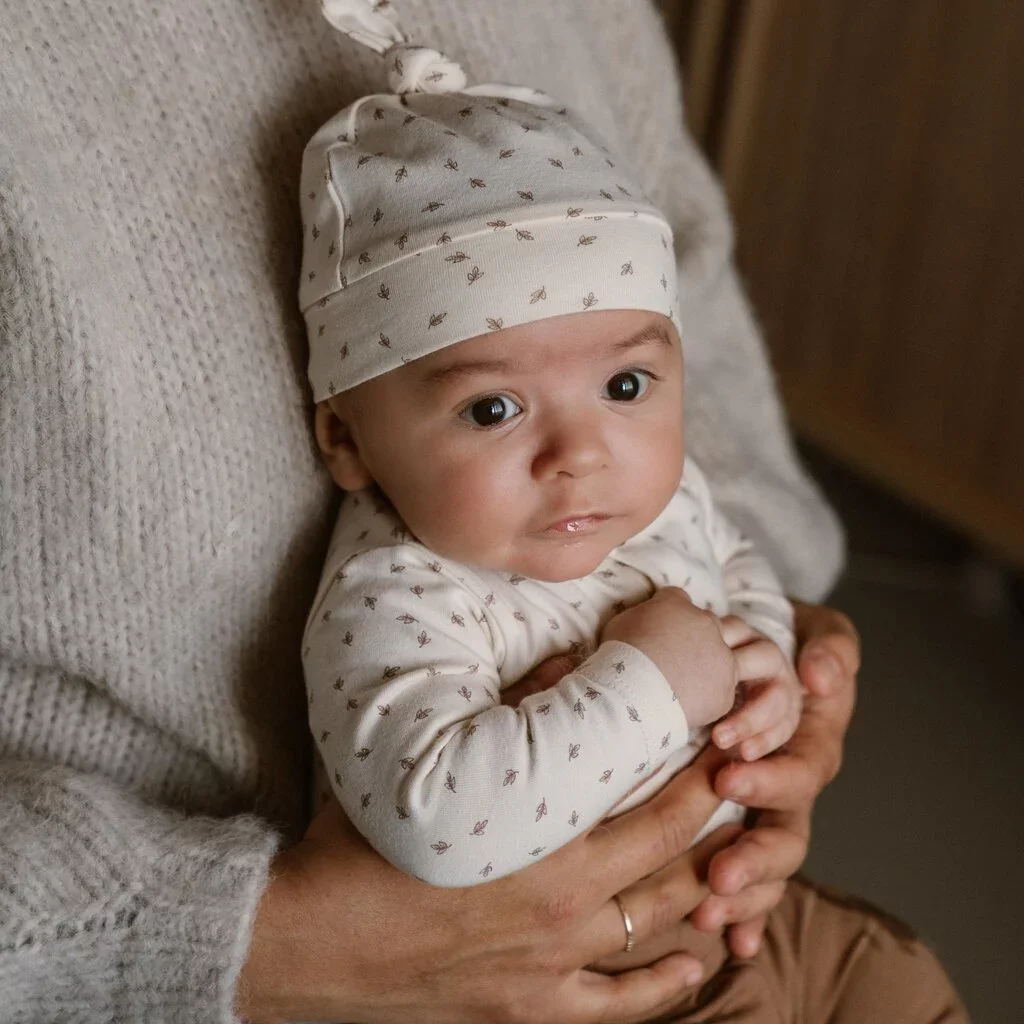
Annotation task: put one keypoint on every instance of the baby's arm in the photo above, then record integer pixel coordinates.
(759, 628)
(442, 779)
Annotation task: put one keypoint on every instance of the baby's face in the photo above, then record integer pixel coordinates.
(534, 450)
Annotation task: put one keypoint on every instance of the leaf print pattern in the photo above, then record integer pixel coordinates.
(388, 712)
(538, 296)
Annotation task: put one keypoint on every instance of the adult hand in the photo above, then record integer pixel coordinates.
(748, 877)
(340, 934)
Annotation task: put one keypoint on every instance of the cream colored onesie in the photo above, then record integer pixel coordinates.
(406, 654)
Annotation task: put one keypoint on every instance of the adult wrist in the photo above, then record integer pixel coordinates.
(261, 993)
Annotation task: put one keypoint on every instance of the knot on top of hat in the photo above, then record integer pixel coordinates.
(420, 69)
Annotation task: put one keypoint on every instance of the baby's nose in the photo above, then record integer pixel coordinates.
(574, 449)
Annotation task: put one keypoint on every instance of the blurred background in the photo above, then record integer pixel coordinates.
(873, 155)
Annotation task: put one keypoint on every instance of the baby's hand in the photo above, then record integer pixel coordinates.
(770, 711)
(687, 644)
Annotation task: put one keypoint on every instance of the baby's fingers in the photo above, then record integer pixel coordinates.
(765, 709)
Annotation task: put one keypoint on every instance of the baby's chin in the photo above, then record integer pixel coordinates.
(559, 564)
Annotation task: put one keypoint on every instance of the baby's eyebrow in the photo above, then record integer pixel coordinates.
(447, 374)
(652, 332)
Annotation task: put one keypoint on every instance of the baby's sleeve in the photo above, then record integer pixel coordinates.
(442, 779)
(751, 585)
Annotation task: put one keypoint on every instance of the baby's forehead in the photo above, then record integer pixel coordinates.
(572, 340)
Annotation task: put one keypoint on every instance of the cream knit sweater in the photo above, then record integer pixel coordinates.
(162, 513)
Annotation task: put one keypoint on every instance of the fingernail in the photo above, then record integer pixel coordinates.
(692, 976)
(738, 789)
(726, 736)
(823, 659)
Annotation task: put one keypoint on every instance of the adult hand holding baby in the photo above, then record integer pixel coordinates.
(343, 935)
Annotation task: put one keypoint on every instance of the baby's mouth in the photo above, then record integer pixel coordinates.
(577, 523)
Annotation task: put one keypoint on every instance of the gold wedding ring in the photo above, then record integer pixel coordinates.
(627, 923)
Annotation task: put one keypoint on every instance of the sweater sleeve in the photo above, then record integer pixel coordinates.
(114, 910)
(445, 781)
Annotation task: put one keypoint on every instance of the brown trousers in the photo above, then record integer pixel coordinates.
(826, 959)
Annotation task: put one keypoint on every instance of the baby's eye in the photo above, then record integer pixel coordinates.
(628, 385)
(489, 411)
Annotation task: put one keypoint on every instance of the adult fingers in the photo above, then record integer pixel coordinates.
(792, 777)
(829, 649)
(654, 903)
(770, 852)
(753, 902)
(631, 997)
(745, 937)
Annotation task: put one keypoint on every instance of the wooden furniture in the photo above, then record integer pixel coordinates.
(873, 154)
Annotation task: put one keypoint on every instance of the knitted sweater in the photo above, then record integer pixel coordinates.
(162, 512)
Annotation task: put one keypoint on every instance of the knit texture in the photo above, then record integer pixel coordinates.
(162, 511)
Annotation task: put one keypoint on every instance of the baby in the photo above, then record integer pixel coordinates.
(495, 353)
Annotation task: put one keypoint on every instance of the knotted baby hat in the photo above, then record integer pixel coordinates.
(440, 211)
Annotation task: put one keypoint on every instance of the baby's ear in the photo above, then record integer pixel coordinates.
(339, 449)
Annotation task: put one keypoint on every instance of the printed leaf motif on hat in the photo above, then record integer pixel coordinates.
(495, 323)
(474, 275)
(436, 320)
(451, 164)
(433, 205)
(505, 154)
(478, 183)
(525, 195)
(522, 235)
(586, 240)
(589, 300)
(456, 257)
(538, 295)
(384, 292)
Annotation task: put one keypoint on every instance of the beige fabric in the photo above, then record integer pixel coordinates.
(827, 958)
(435, 216)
